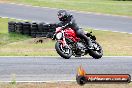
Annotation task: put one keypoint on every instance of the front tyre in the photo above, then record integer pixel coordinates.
(97, 52)
(65, 53)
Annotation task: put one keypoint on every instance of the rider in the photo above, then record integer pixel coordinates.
(67, 20)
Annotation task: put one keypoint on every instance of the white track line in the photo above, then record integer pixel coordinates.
(13, 18)
(19, 19)
(47, 22)
(59, 56)
(113, 31)
(72, 10)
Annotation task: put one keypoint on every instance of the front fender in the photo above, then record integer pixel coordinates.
(61, 41)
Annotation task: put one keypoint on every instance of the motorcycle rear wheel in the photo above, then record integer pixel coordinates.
(58, 47)
(97, 54)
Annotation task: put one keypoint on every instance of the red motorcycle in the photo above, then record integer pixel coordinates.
(69, 44)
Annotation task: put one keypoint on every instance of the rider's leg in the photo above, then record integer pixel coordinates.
(80, 33)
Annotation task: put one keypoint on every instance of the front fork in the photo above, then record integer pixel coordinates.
(63, 41)
(65, 47)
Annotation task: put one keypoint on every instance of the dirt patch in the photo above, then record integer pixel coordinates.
(40, 40)
(4, 1)
(63, 85)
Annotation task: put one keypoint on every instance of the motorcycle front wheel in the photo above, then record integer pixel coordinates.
(62, 51)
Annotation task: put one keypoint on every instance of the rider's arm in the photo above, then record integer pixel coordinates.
(70, 22)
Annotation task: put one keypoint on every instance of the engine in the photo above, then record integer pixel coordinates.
(80, 48)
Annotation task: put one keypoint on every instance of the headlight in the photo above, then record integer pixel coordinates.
(59, 36)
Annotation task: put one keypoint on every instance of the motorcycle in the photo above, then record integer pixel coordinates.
(68, 44)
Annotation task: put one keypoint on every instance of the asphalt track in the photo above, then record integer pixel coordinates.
(59, 69)
(55, 68)
(98, 21)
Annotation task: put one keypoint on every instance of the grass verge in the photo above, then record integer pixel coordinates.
(5, 37)
(114, 44)
(99, 6)
(63, 85)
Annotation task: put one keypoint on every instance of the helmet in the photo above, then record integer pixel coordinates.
(62, 15)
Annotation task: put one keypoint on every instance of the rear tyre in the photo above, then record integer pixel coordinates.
(97, 52)
(61, 52)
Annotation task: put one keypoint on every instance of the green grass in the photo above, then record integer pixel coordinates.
(5, 37)
(117, 44)
(99, 6)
